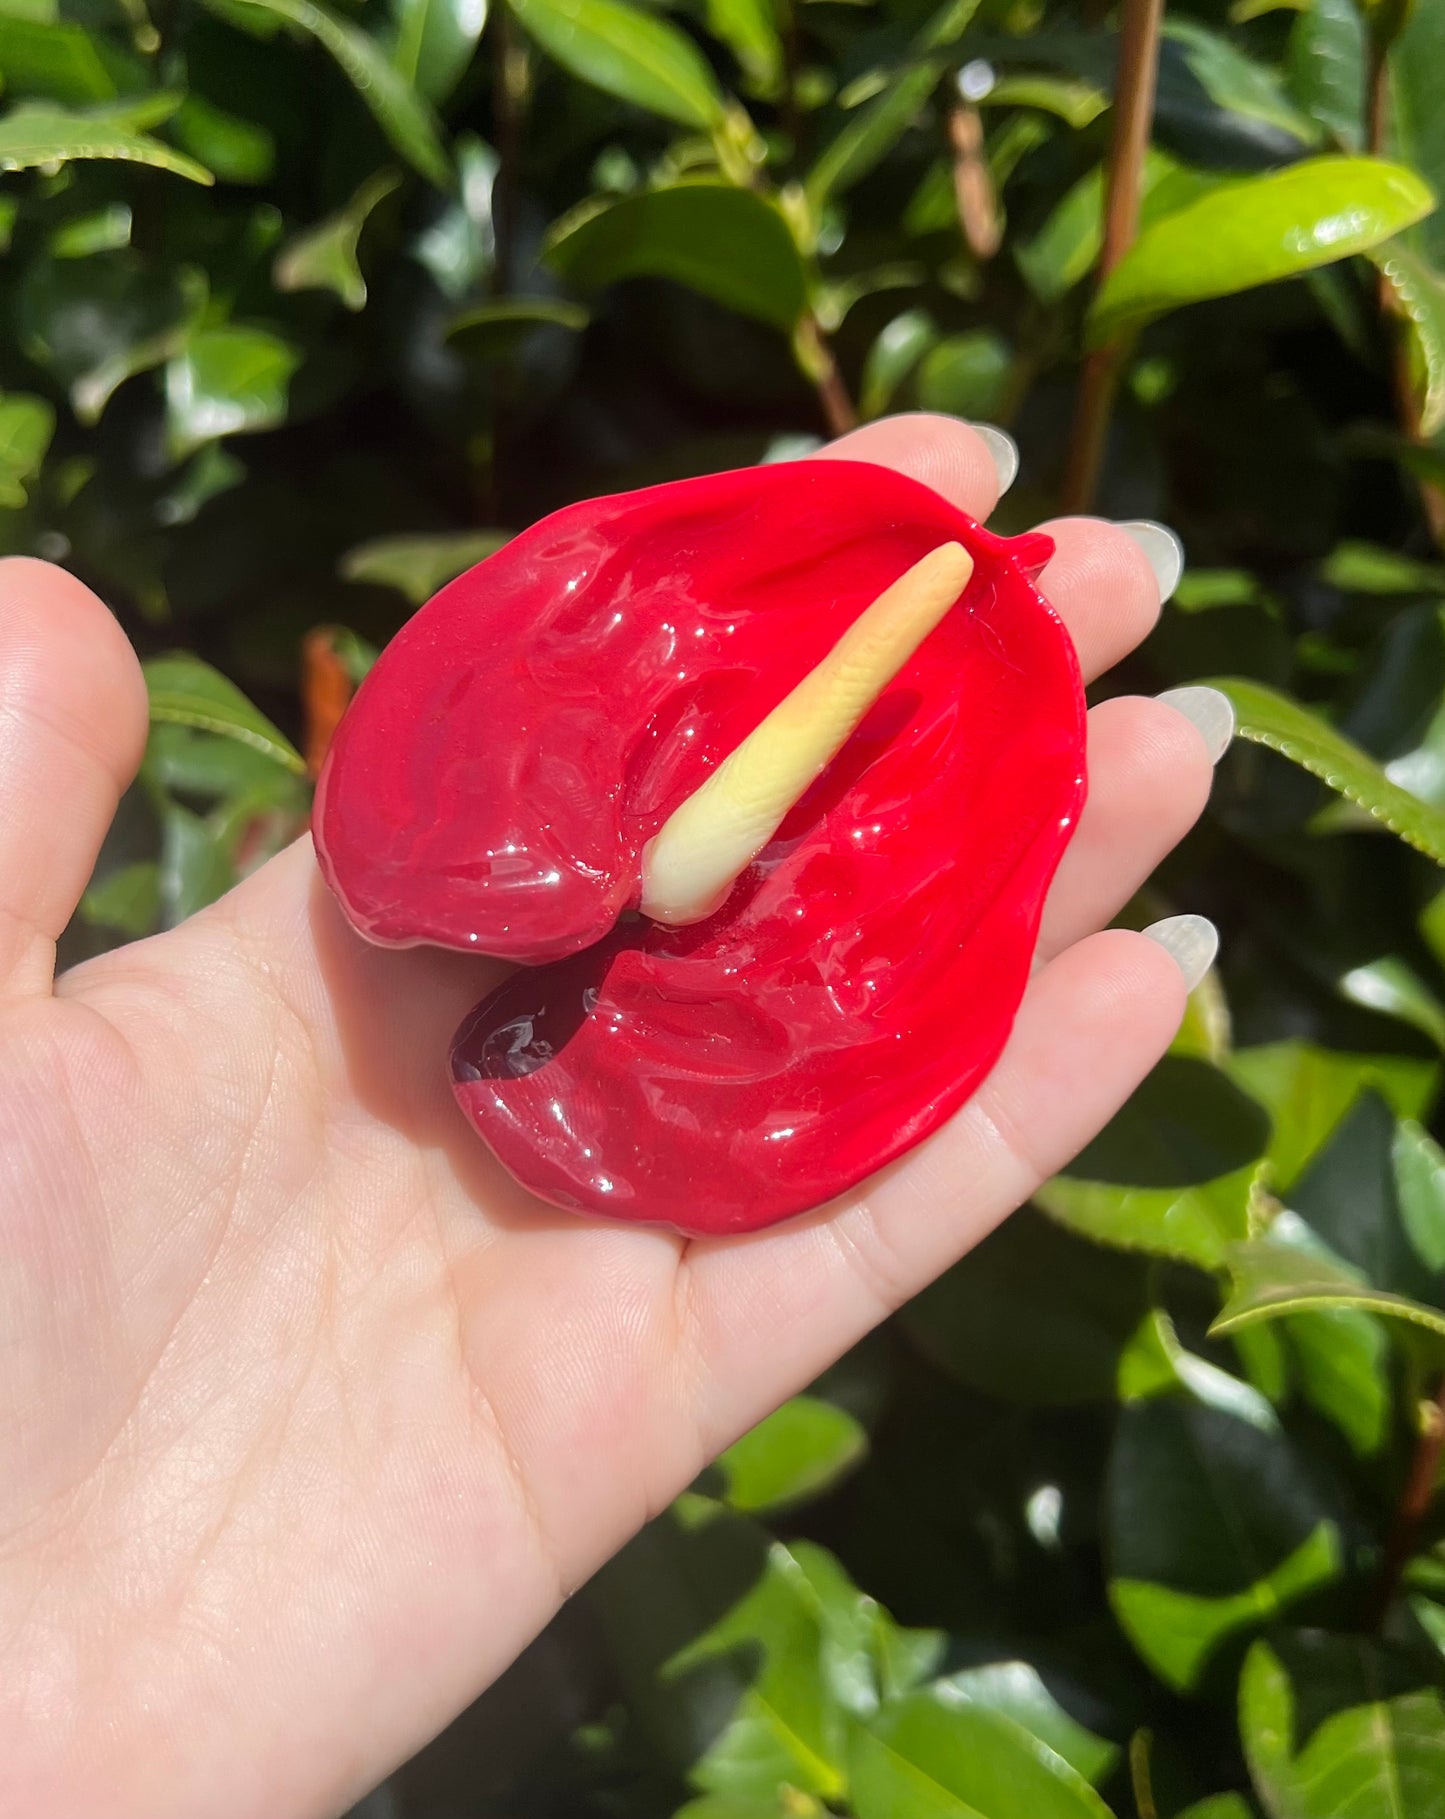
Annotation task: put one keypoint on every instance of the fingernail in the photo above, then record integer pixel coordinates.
(1210, 710)
(1190, 941)
(1163, 549)
(1003, 450)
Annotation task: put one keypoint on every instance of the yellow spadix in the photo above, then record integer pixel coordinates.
(689, 866)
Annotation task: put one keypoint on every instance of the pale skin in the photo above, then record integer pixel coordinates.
(309, 1417)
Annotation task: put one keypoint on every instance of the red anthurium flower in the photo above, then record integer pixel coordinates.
(525, 736)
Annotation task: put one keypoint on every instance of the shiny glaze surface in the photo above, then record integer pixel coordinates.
(522, 738)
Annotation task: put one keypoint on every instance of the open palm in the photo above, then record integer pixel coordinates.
(309, 1417)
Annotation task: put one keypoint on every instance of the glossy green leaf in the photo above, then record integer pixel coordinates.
(799, 1451)
(433, 42)
(1308, 1090)
(417, 566)
(1420, 1183)
(1174, 1171)
(1213, 1525)
(1016, 1690)
(1155, 1364)
(1415, 121)
(1269, 1279)
(1034, 1315)
(184, 691)
(26, 426)
(36, 134)
(1419, 291)
(1340, 1362)
(749, 28)
(731, 244)
(1076, 103)
(399, 110)
(966, 375)
(1336, 1727)
(127, 900)
(1326, 67)
(324, 257)
(900, 345)
(932, 1759)
(627, 52)
(1255, 231)
(195, 868)
(1203, 72)
(54, 62)
(227, 381)
(1273, 720)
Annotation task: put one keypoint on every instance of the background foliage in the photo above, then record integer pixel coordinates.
(307, 303)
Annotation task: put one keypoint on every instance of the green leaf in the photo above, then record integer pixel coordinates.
(1255, 231)
(1155, 1363)
(1420, 294)
(496, 329)
(37, 134)
(417, 566)
(26, 426)
(1308, 1090)
(799, 1451)
(1213, 1526)
(1326, 64)
(1033, 1315)
(237, 150)
(1273, 720)
(104, 230)
(966, 375)
(195, 867)
(1393, 989)
(930, 1758)
(1420, 1183)
(127, 900)
(184, 691)
(1269, 1278)
(1173, 1173)
(1220, 1806)
(749, 28)
(731, 244)
(226, 382)
(1076, 103)
(900, 345)
(1016, 1690)
(54, 62)
(433, 42)
(1340, 1361)
(628, 53)
(399, 111)
(1194, 59)
(1336, 1727)
(324, 256)
(1364, 568)
(96, 322)
(1415, 121)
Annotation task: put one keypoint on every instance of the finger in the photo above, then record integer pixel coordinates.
(769, 1313)
(1107, 582)
(72, 730)
(969, 465)
(1150, 769)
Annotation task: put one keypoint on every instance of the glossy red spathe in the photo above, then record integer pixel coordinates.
(524, 736)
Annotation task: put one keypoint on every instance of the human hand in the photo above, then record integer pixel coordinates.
(309, 1416)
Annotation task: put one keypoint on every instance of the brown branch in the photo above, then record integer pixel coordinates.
(1414, 1506)
(816, 357)
(974, 195)
(1134, 88)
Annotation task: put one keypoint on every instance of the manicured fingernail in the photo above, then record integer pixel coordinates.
(1003, 450)
(1190, 941)
(1162, 547)
(1208, 709)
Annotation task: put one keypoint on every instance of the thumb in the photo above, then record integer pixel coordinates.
(72, 731)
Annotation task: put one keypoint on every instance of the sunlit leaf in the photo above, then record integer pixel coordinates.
(731, 244)
(1420, 294)
(1258, 230)
(36, 134)
(184, 691)
(800, 1450)
(418, 565)
(635, 55)
(1299, 734)
(1270, 1279)
(434, 41)
(324, 257)
(893, 356)
(749, 28)
(26, 426)
(1326, 66)
(225, 382)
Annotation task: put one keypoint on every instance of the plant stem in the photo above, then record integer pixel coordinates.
(1139, 1774)
(1133, 118)
(817, 359)
(974, 195)
(1414, 1506)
